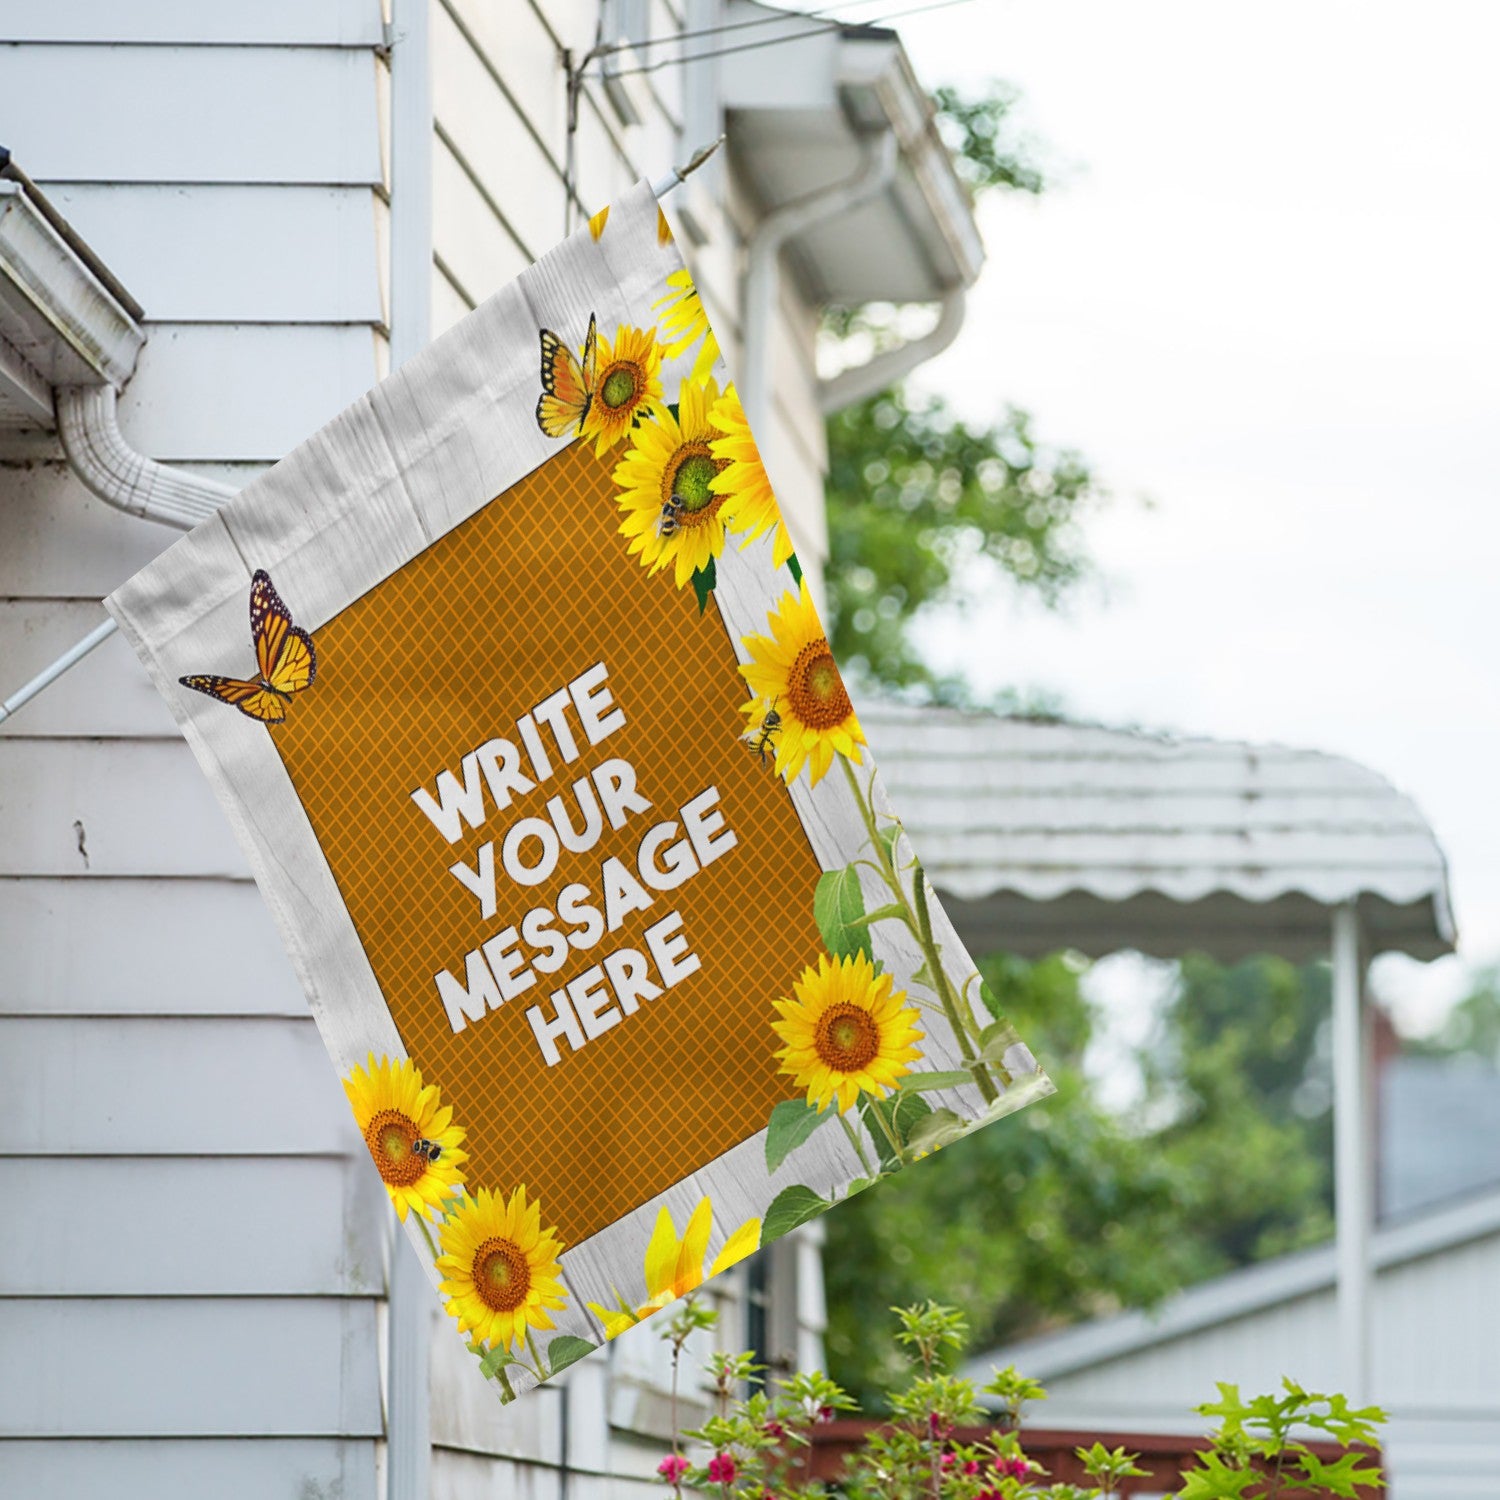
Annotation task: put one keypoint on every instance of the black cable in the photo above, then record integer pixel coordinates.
(685, 36)
(895, 15)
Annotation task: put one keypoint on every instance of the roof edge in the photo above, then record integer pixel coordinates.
(1241, 1293)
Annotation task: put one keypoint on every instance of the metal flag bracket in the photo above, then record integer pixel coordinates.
(102, 632)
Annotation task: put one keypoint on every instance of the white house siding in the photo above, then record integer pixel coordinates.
(499, 199)
(194, 1259)
(193, 1245)
(1436, 1370)
(499, 158)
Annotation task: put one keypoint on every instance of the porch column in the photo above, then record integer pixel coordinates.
(1352, 1168)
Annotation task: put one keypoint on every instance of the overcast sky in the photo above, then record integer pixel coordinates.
(1264, 294)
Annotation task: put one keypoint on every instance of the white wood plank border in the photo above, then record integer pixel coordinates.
(425, 450)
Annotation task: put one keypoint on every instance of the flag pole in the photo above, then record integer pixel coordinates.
(102, 632)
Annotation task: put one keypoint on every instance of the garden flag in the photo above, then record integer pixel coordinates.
(515, 695)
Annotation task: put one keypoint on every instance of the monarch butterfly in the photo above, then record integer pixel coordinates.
(284, 657)
(567, 385)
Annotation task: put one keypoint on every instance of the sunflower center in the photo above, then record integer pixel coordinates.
(846, 1038)
(815, 688)
(390, 1135)
(686, 479)
(621, 385)
(502, 1275)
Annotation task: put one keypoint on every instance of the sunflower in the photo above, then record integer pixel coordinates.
(749, 506)
(395, 1113)
(674, 1266)
(499, 1267)
(684, 322)
(793, 672)
(846, 1033)
(671, 513)
(627, 386)
(598, 221)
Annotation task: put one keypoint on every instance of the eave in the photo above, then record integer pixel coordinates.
(60, 325)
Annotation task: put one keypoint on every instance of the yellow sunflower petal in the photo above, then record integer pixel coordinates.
(846, 1033)
(744, 1241)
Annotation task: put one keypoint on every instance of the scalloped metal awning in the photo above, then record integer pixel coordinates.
(1049, 835)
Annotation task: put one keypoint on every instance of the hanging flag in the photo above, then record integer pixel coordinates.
(518, 702)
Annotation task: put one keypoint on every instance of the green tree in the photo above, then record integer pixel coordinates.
(1068, 1211)
(916, 498)
(1471, 1028)
(926, 508)
(1248, 1087)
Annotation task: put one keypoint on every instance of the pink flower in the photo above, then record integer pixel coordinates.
(825, 1414)
(772, 1428)
(1013, 1468)
(721, 1469)
(946, 1462)
(972, 1467)
(938, 1425)
(673, 1467)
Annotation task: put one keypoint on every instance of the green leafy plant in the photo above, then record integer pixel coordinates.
(944, 1438)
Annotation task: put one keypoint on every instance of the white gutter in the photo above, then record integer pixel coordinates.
(763, 267)
(862, 381)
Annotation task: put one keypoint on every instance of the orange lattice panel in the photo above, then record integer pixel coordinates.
(495, 616)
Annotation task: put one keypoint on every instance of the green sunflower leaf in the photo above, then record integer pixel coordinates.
(902, 1114)
(790, 1207)
(923, 975)
(928, 1083)
(791, 1123)
(705, 581)
(796, 569)
(838, 904)
(996, 1040)
(889, 836)
(567, 1349)
(494, 1361)
(938, 1129)
(991, 1004)
(892, 910)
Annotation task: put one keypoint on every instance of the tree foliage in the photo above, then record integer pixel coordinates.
(920, 503)
(1068, 1211)
(926, 508)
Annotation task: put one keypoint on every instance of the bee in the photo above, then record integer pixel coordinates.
(430, 1149)
(760, 739)
(671, 518)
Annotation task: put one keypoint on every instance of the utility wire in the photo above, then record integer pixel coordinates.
(796, 36)
(686, 36)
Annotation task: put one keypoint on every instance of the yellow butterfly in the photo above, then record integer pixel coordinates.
(284, 658)
(567, 385)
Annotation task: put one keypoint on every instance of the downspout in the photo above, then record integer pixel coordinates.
(762, 264)
(884, 370)
(97, 452)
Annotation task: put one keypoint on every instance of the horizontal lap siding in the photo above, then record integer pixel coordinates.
(243, 1468)
(194, 1307)
(273, 253)
(131, 114)
(176, 1366)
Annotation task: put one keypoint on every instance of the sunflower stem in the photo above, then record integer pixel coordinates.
(920, 921)
(536, 1355)
(427, 1235)
(505, 1385)
(887, 1131)
(859, 1150)
(972, 1061)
